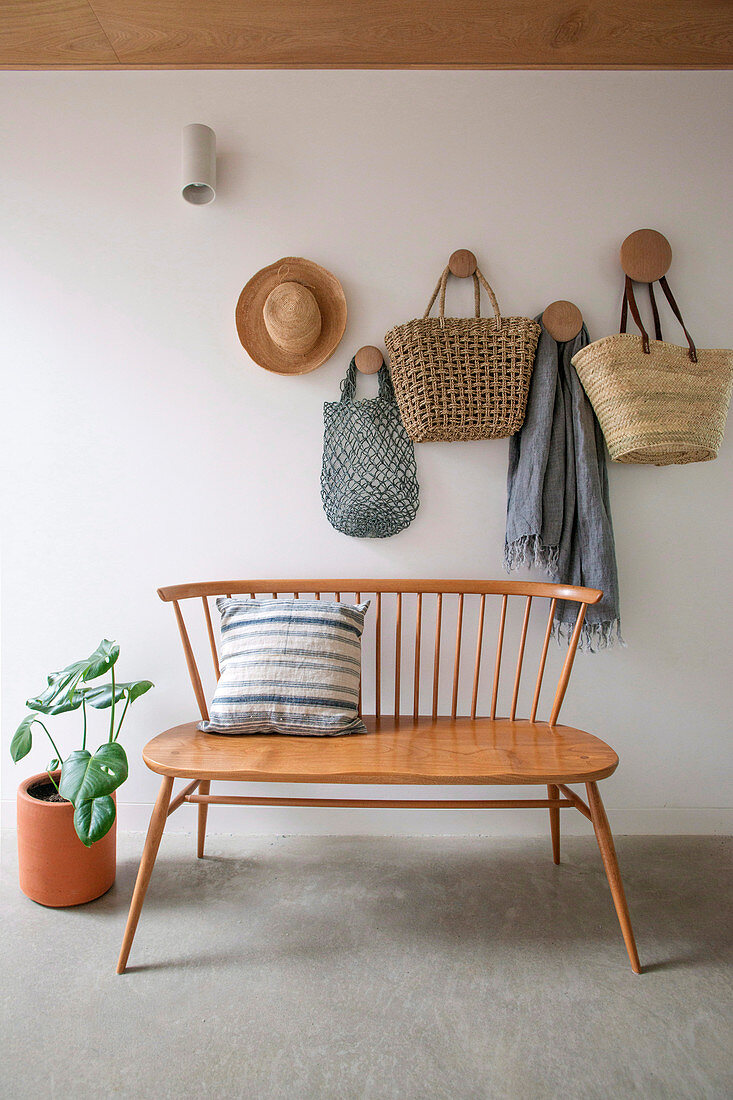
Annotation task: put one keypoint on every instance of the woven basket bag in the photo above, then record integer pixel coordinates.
(657, 403)
(459, 378)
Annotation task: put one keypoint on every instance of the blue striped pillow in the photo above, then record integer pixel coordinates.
(288, 666)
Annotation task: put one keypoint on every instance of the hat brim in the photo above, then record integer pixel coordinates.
(253, 334)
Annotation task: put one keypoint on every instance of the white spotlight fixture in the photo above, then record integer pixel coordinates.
(199, 164)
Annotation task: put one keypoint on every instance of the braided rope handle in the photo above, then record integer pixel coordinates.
(478, 282)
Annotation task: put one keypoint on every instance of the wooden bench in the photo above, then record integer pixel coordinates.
(430, 742)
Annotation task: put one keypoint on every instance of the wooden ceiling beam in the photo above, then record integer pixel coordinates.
(364, 34)
(50, 34)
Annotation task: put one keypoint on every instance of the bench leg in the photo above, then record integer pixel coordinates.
(150, 851)
(204, 788)
(610, 862)
(554, 792)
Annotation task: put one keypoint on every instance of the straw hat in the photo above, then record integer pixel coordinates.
(291, 316)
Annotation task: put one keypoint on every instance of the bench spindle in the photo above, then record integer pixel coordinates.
(499, 647)
(520, 658)
(543, 660)
(436, 659)
(418, 626)
(457, 661)
(212, 640)
(358, 600)
(479, 642)
(193, 671)
(378, 658)
(397, 655)
(567, 668)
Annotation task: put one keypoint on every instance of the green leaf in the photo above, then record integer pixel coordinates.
(101, 661)
(136, 688)
(58, 706)
(85, 777)
(53, 764)
(94, 818)
(60, 695)
(22, 741)
(100, 696)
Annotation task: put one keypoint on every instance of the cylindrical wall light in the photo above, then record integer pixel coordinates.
(199, 164)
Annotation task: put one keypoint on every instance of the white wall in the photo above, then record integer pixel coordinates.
(142, 447)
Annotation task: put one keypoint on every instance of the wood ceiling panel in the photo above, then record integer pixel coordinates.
(542, 34)
(51, 34)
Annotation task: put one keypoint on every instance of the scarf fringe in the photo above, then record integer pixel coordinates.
(529, 552)
(593, 636)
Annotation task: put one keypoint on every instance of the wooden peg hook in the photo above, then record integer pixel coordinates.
(462, 263)
(563, 320)
(369, 359)
(646, 256)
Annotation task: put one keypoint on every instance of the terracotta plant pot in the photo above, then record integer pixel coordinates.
(55, 868)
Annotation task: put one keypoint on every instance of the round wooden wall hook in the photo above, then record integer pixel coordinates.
(563, 320)
(646, 256)
(462, 263)
(369, 359)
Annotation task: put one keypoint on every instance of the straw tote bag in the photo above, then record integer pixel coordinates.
(369, 478)
(460, 378)
(657, 403)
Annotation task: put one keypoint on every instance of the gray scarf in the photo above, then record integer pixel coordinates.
(558, 508)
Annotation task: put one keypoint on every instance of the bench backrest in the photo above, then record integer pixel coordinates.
(395, 651)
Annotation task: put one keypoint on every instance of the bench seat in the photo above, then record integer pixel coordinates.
(426, 750)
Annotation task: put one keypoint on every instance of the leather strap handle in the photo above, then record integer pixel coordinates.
(655, 313)
(629, 302)
(675, 309)
(478, 282)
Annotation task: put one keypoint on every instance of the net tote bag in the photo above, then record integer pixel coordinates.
(459, 378)
(657, 403)
(369, 477)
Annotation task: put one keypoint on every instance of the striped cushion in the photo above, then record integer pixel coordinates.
(288, 666)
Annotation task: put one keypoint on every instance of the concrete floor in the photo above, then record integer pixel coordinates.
(332, 967)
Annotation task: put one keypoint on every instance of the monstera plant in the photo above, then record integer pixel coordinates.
(87, 779)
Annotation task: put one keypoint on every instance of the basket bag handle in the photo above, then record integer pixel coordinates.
(629, 302)
(348, 384)
(478, 282)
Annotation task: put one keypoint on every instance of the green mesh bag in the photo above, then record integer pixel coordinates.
(369, 477)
